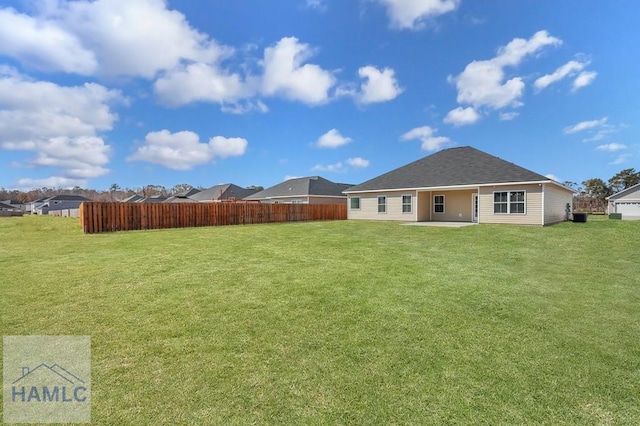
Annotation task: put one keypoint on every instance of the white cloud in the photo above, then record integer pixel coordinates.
(414, 14)
(553, 177)
(426, 135)
(105, 37)
(380, 86)
(50, 182)
(482, 83)
(358, 162)
(60, 124)
(112, 29)
(567, 70)
(620, 159)
(244, 107)
(611, 147)
(462, 116)
(320, 5)
(286, 74)
(199, 82)
(342, 166)
(80, 157)
(330, 168)
(332, 139)
(585, 125)
(584, 79)
(508, 116)
(227, 147)
(184, 151)
(43, 44)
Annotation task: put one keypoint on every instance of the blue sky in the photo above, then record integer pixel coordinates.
(139, 92)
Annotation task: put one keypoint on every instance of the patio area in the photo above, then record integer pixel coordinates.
(441, 224)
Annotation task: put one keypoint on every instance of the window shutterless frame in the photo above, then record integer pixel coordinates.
(438, 204)
(510, 202)
(407, 203)
(382, 204)
(354, 203)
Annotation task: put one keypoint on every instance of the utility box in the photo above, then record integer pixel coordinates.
(579, 217)
(615, 216)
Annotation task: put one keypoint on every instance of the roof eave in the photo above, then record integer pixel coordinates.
(459, 187)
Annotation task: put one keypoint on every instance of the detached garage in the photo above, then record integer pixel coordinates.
(626, 202)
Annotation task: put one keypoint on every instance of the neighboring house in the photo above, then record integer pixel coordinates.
(224, 192)
(461, 185)
(178, 199)
(305, 190)
(132, 199)
(58, 202)
(15, 204)
(7, 207)
(626, 202)
(188, 193)
(152, 199)
(183, 197)
(35, 205)
(9, 210)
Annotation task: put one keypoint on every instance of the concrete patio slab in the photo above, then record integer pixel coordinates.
(441, 224)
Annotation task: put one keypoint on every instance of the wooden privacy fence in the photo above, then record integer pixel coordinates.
(98, 217)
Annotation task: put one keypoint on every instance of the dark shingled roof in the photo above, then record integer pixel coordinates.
(222, 192)
(188, 192)
(302, 187)
(132, 199)
(450, 167)
(6, 206)
(65, 197)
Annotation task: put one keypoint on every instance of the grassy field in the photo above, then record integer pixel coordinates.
(339, 322)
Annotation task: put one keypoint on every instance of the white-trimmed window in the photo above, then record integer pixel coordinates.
(382, 204)
(354, 203)
(438, 203)
(407, 203)
(509, 202)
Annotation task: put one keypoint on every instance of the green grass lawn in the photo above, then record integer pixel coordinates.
(339, 322)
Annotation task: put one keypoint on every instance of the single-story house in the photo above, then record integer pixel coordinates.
(223, 192)
(35, 205)
(626, 202)
(178, 199)
(6, 207)
(183, 197)
(57, 202)
(132, 199)
(15, 204)
(304, 190)
(461, 185)
(9, 210)
(152, 199)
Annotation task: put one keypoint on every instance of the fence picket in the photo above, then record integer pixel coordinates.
(96, 217)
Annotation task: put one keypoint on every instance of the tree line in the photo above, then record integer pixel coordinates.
(114, 193)
(592, 193)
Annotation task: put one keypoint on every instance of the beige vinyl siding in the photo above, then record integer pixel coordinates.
(555, 204)
(457, 206)
(533, 205)
(369, 207)
(423, 206)
(327, 200)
